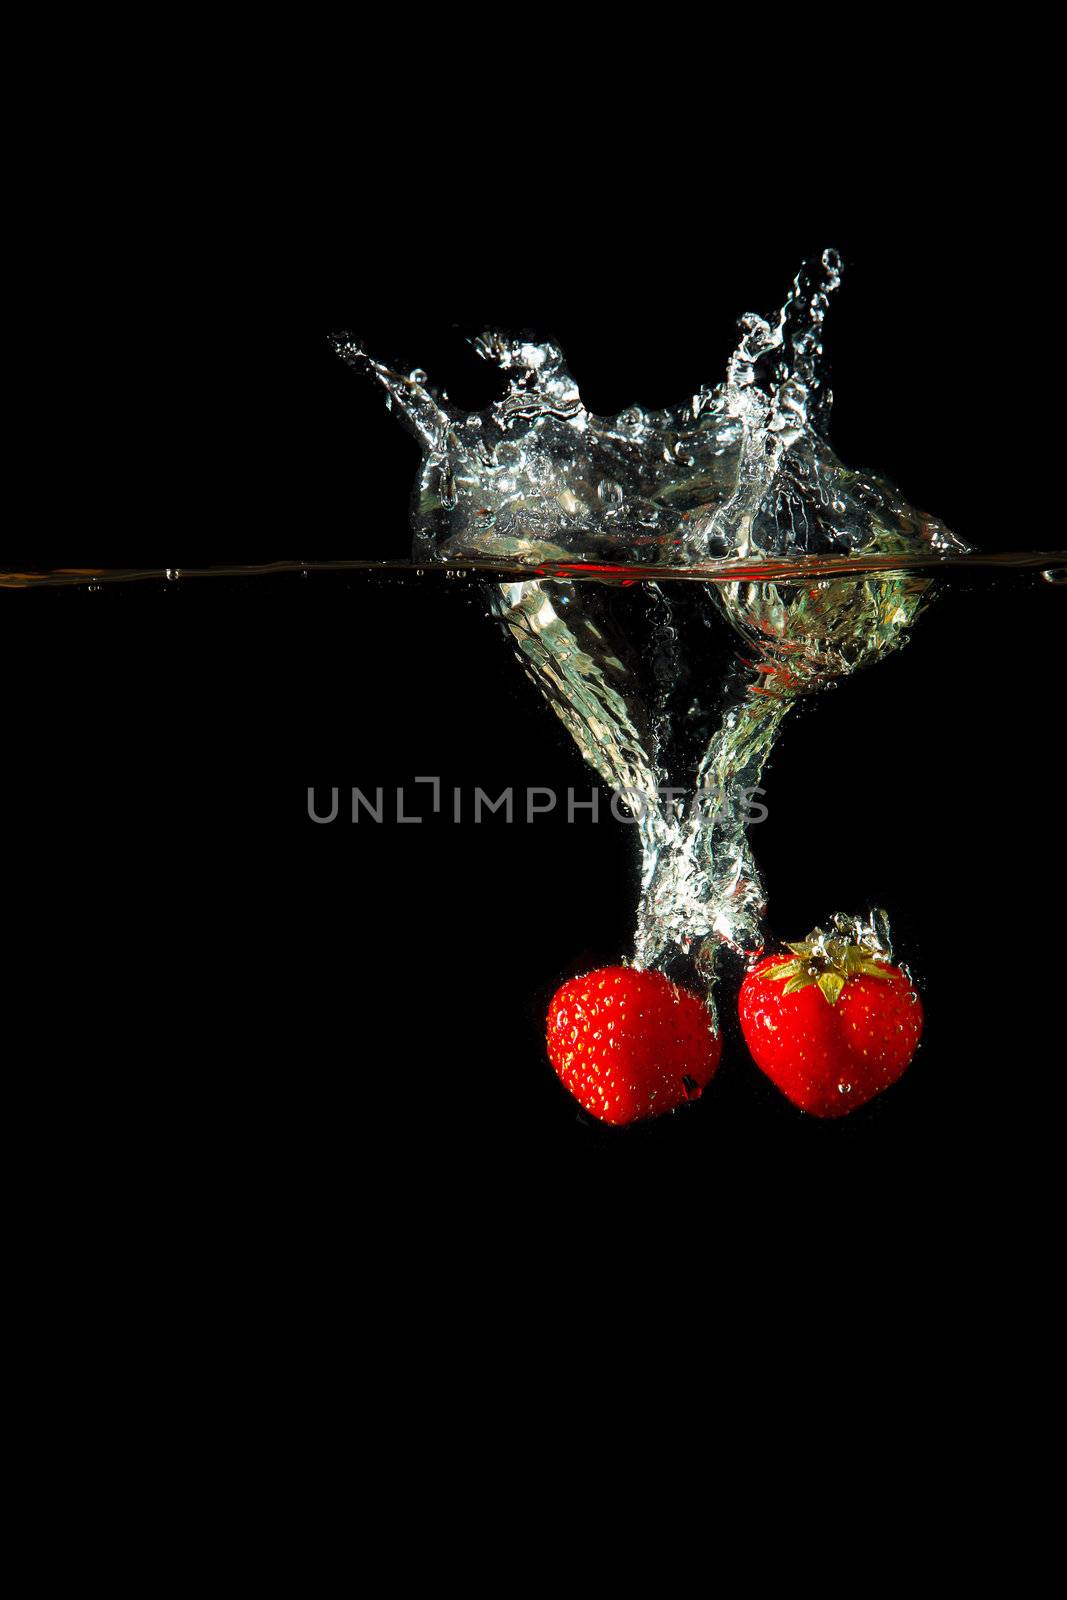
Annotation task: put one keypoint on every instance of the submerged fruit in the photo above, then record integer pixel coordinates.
(832, 1024)
(629, 1044)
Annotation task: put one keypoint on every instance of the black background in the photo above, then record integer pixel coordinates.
(321, 1023)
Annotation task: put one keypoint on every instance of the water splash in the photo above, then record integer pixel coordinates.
(741, 472)
(736, 469)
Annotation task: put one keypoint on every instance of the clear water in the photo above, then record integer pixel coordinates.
(616, 551)
(729, 507)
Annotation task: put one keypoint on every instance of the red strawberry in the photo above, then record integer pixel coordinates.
(832, 1025)
(630, 1044)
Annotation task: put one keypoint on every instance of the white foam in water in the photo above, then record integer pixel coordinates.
(741, 470)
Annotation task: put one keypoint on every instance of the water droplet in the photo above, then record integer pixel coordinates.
(173, 573)
(1057, 575)
(844, 1088)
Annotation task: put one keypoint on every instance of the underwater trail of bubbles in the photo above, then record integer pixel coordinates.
(740, 470)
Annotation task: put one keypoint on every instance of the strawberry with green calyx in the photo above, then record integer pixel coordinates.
(629, 1044)
(833, 1022)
